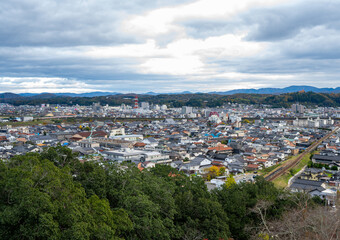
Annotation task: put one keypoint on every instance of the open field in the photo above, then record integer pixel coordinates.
(265, 171)
(29, 123)
(282, 181)
(268, 171)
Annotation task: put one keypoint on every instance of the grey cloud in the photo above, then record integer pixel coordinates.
(271, 23)
(52, 23)
(203, 28)
(97, 72)
(303, 40)
(69, 23)
(317, 43)
(287, 21)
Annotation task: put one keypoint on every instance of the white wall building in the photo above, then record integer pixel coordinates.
(186, 110)
(145, 105)
(298, 108)
(133, 137)
(117, 131)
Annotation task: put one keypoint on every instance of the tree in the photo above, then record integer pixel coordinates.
(53, 196)
(221, 171)
(38, 200)
(212, 172)
(300, 222)
(147, 197)
(237, 200)
(230, 181)
(334, 168)
(61, 156)
(246, 121)
(292, 171)
(93, 178)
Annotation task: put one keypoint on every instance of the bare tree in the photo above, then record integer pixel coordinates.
(193, 234)
(300, 223)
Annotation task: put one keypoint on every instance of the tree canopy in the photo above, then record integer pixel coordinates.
(53, 196)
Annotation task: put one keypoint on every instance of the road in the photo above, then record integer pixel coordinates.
(281, 170)
(246, 177)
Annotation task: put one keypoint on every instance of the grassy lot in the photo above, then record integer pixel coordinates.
(328, 174)
(282, 181)
(264, 171)
(75, 120)
(79, 120)
(29, 123)
(272, 168)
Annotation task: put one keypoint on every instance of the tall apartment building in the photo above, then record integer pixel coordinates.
(298, 108)
(144, 105)
(186, 110)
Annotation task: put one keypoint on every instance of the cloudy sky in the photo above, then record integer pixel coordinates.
(167, 45)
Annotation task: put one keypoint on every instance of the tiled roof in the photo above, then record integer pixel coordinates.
(221, 147)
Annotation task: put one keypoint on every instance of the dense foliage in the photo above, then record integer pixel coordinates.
(53, 196)
(195, 100)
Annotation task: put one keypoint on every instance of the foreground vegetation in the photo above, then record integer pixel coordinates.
(53, 196)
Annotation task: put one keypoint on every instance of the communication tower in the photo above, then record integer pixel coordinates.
(136, 102)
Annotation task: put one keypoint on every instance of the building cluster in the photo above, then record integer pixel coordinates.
(322, 176)
(235, 138)
(304, 117)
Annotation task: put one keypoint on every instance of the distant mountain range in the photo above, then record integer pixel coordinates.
(8, 95)
(267, 90)
(91, 94)
(281, 90)
(247, 91)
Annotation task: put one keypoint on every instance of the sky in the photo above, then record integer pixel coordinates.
(167, 45)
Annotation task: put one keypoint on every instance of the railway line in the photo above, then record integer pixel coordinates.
(283, 169)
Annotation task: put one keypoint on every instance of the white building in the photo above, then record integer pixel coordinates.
(117, 131)
(133, 137)
(298, 108)
(215, 119)
(27, 119)
(313, 123)
(156, 107)
(122, 155)
(145, 105)
(186, 110)
(136, 155)
(156, 157)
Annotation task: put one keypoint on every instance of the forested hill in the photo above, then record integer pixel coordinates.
(53, 196)
(178, 100)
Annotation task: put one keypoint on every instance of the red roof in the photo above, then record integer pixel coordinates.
(139, 144)
(94, 134)
(139, 166)
(3, 138)
(220, 148)
(217, 163)
(253, 166)
(172, 174)
(332, 147)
